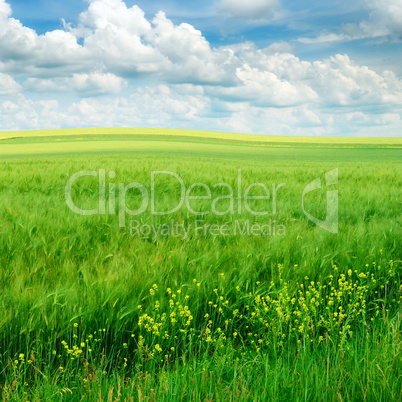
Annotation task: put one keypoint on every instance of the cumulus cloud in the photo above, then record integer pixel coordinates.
(340, 82)
(116, 38)
(307, 121)
(115, 13)
(5, 10)
(160, 106)
(24, 113)
(119, 41)
(387, 13)
(189, 56)
(22, 50)
(384, 20)
(8, 86)
(186, 107)
(282, 79)
(119, 68)
(296, 120)
(250, 10)
(85, 84)
(266, 88)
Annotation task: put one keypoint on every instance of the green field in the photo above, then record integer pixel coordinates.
(96, 310)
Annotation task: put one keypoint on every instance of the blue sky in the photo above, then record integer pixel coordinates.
(266, 67)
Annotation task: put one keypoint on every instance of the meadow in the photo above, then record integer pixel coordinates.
(91, 310)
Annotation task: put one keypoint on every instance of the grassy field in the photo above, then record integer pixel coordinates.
(205, 135)
(92, 310)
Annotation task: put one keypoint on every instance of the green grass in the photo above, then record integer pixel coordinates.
(203, 135)
(90, 312)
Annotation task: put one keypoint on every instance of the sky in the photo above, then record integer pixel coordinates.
(276, 67)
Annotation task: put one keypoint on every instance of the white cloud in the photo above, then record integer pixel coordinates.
(282, 79)
(114, 13)
(385, 20)
(266, 88)
(85, 84)
(387, 13)
(340, 82)
(5, 11)
(351, 31)
(190, 57)
(23, 50)
(24, 113)
(159, 106)
(116, 38)
(188, 82)
(164, 106)
(252, 10)
(8, 86)
(297, 120)
(307, 121)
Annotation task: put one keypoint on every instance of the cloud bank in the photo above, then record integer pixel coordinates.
(115, 67)
(385, 20)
